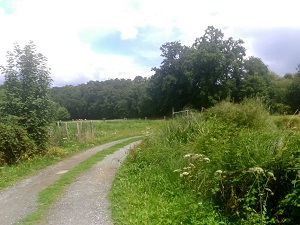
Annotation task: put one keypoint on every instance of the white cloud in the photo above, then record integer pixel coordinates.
(54, 25)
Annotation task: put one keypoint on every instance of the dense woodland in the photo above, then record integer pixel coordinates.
(212, 69)
(198, 76)
(241, 167)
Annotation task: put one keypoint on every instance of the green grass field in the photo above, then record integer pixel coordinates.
(67, 144)
(232, 164)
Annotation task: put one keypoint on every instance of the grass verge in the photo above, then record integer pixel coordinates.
(230, 164)
(104, 132)
(51, 194)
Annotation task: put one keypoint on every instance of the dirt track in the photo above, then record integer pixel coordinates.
(84, 201)
(20, 199)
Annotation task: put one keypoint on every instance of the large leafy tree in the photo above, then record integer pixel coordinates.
(293, 92)
(216, 67)
(170, 86)
(27, 81)
(256, 80)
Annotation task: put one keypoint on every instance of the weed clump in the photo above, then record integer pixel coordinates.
(15, 144)
(230, 164)
(251, 113)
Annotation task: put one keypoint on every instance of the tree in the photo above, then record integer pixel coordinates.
(59, 112)
(254, 65)
(293, 92)
(2, 97)
(216, 67)
(27, 81)
(170, 86)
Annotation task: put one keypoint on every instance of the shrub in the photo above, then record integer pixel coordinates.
(14, 143)
(253, 170)
(251, 113)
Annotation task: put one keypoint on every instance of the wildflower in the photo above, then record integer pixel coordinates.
(187, 156)
(256, 169)
(269, 190)
(219, 172)
(196, 156)
(184, 174)
(192, 165)
(271, 175)
(206, 159)
(178, 170)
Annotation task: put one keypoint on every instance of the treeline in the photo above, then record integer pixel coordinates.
(211, 70)
(109, 99)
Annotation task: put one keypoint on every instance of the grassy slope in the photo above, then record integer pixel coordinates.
(237, 140)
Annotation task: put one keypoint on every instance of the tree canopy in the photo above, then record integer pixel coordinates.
(26, 86)
(212, 69)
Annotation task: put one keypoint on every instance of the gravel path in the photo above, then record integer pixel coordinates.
(84, 201)
(20, 199)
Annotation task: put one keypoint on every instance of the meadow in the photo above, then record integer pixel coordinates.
(69, 138)
(231, 164)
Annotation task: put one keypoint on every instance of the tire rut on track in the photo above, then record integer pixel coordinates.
(20, 199)
(85, 200)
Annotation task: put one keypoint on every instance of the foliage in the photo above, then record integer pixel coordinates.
(103, 132)
(293, 93)
(2, 97)
(26, 91)
(199, 76)
(15, 143)
(250, 113)
(59, 112)
(111, 99)
(230, 163)
(287, 122)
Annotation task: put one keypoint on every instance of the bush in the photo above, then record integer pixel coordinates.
(230, 161)
(251, 113)
(240, 161)
(14, 143)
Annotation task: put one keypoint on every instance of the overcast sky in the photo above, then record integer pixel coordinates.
(102, 39)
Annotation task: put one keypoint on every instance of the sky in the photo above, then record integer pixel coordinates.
(106, 39)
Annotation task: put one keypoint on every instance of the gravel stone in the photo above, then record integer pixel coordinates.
(85, 200)
(20, 199)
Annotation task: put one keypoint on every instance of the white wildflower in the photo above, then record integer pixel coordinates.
(256, 169)
(178, 170)
(271, 175)
(192, 165)
(187, 156)
(219, 172)
(269, 190)
(184, 174)
(206, 159)
(196, 156)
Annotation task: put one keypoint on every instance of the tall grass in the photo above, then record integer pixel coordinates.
(228, 165)
(64, 146)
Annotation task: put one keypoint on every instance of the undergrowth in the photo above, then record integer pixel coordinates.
(63, 147)
(227, 165)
